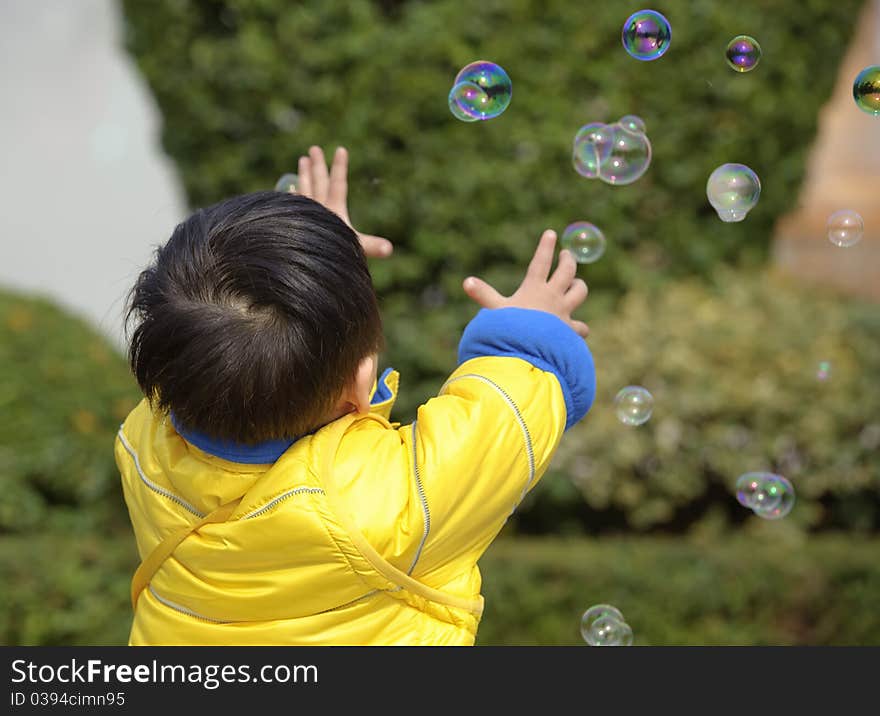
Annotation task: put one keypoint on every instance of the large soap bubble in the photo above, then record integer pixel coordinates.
(845, 228)
(616, 153)
(481, 90)
(733, 189)
(646, 35)
(287, 183)
(743, 53)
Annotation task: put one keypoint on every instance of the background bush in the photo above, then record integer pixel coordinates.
(732, 366)
(245, 86)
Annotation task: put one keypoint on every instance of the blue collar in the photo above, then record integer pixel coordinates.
(263, 453)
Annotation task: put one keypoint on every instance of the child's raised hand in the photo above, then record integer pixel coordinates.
(331, 190)
(559, 294)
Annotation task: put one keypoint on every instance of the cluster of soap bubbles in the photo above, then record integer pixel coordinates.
(866, 90)
(634, 405)
(481, 90)
(646, 35)
(585, 241)
(603, 625)
(616, 153)
(732, 190)
(743, 53)
(767, 495)
(845, 228)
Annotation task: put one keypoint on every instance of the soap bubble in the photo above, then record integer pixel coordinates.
(633, 123)
(646, 35)
(634, 405)
(823, 372)
(287, 183)
(603, 625)
(585, 241)
(845, 228)
(782, 499)
(630, 153)
(466, 101)
(743, 53)
(866, 90)
(769, 496)
(755, 490)
(496, 91)
(592, 145)
(733, 189)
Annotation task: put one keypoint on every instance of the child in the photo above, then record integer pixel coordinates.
(272, 501)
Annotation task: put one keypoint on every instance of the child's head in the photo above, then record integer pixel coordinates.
(254, 318)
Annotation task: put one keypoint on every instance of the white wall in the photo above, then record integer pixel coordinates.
(85, 191)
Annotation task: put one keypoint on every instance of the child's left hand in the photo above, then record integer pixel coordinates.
(331, 190)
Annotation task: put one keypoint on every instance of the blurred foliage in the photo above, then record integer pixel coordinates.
(245, 86)
(757, 590)
(66, 546)
(733, 369)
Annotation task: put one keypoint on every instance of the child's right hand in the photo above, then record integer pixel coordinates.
(560, 294)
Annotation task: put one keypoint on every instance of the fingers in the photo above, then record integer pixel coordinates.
(304, 170)
(581, 328)
(482, 293)
(375, 247)
(539, 268)
(565, 271)
(575, 295)
(320, 177)
(338, 189)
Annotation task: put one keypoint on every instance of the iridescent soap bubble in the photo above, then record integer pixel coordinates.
(493, 81)
(287, 183)
(866, 90)
(466, 100)
(755, 490)
(781, 500)
(632, 123)
(646, 35)
(733, 189)
(592, 145)
(634, 405)
(604, 625)
(845, 228)
(585, 241)
(743, 53)
(630, 153)
(823, 371)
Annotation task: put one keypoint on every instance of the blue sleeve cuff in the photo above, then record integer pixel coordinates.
(541, 339)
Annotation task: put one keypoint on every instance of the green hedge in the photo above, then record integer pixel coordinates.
(245, 86)
(732, 368)
(773, 588)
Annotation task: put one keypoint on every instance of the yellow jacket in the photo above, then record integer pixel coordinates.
(363, 532)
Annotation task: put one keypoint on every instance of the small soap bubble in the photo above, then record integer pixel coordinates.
(755, 490)
(866, 90)
(634, 405)
(743, 53)
(287, 183)
(592, 145)
(585, 241)
(823, 372)
(496, 87)
(466, 101)
(733, 190)
(604, 625)
(781, 500)
(630, 154)
(845, 228)
(633, 123)
(646, 35)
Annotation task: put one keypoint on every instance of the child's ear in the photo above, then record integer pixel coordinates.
(364, 380)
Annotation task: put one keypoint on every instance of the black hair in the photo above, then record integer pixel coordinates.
(253, 317)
